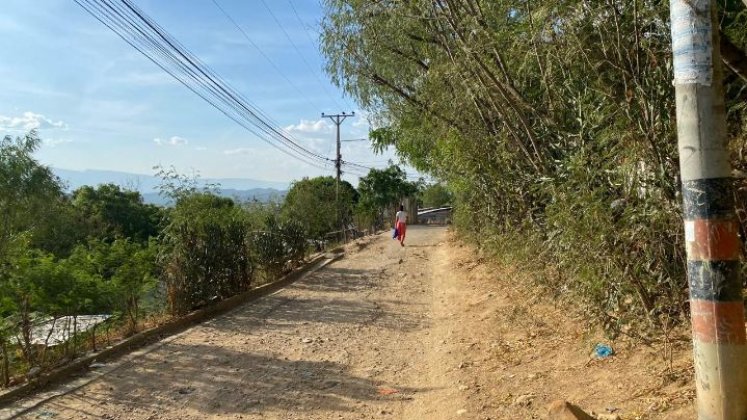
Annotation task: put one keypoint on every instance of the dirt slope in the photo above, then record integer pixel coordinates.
(421, 332)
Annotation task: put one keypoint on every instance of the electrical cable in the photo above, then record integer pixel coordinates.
(151, 40)
(298, 51)
(145, 35)
(300, 21)
(261, 52)
(191, 74)
(114, 11)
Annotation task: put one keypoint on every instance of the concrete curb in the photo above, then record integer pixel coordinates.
(176, 326)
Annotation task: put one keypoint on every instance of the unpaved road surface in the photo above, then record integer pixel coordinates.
(428, 331)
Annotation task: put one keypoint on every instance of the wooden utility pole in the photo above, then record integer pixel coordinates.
(338, 119)
(711, 228)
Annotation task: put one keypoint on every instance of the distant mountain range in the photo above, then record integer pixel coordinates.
(243, 189)
(260, 194)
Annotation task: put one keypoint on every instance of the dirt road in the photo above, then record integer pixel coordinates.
(423, 332)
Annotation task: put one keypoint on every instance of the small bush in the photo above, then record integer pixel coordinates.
(279, 247)
(206, 253)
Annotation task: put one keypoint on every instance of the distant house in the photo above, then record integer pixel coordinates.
(435, 216)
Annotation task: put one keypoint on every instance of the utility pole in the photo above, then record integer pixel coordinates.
(711, 238)
(338, 119)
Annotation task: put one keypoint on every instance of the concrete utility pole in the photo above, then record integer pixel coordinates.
(711, 239)
(338, 119)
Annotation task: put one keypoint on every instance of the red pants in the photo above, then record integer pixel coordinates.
(401, 229)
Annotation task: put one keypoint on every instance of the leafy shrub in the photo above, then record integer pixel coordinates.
(206, 253)
(561, 153)
(279, 247)
(313, 203)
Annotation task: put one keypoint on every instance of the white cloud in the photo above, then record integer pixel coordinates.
(361, 120)
(311, 127)
(240, 151)
(173, 141)
(318, 136)
(30, 121)
(56, 142)
(147, 79)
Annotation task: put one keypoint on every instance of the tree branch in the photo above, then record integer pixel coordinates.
(734, 57)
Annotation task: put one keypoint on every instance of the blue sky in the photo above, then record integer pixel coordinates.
(100, 104)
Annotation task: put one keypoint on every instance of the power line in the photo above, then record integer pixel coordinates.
(223, 87)
(298, 51)
(273, 125)
(372, 162)
(358, 168)
(338, 119)
(306, 31)
(151, 40)
(266, 57)
(147, 40)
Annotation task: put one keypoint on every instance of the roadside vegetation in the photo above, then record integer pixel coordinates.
(552, 124)
(70, 260)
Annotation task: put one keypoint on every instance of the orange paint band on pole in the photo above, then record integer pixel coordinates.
(711, 232)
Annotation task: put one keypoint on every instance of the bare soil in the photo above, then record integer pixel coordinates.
(428, 331)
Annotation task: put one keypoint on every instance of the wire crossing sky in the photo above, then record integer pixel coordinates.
(99, 104)
(142, 33)
(265, 56)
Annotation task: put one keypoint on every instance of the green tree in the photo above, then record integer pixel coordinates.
(124, 271)
(62, 227)
(436, 195)
(381, 192)
(5, 334)
(312, 203)
(552, 122)
(42, 288)
(26, 189)
(205, 255)
(279, 246)
(258, 212)
(135, 275)
(114, 212)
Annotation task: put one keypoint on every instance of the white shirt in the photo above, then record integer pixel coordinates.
(402, 216)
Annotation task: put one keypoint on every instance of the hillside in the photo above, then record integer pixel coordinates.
(242, 189)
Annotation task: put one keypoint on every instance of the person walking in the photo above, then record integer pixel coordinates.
(400, 222)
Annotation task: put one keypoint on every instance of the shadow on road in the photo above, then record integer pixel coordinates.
(340, 280)
(290, 312)
(215, 380)
(256, 359)
(326, 298)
